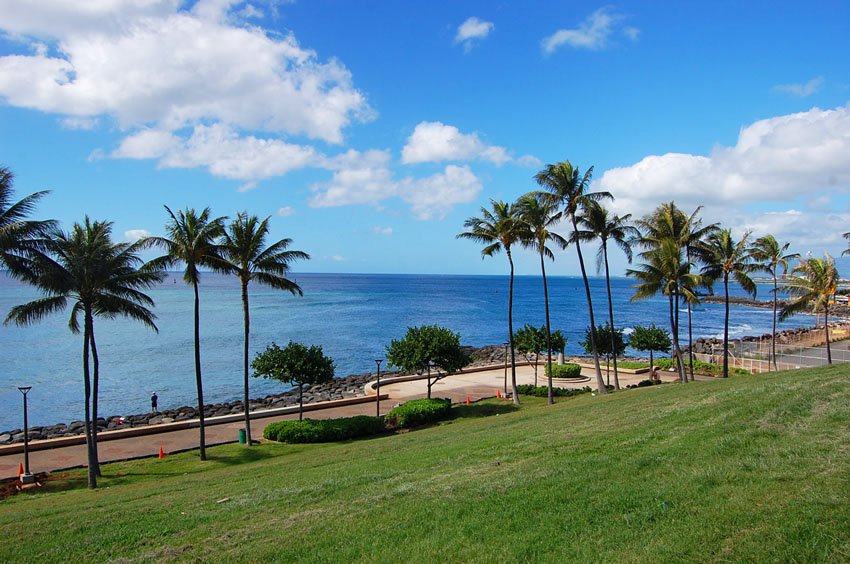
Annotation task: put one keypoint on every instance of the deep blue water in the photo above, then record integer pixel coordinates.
(352, 316)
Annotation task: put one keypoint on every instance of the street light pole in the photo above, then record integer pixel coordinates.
(26, 477)
(378, 362)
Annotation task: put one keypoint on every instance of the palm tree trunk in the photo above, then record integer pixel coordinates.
(690, 327)
(826, 332)
(95, 392)
(773, 334)
(675, 331)
(92, 475)
(683, 373)
(199, 384)
(651, 367)
(726, 328)
(511, 328)
(548, 329)
(247, 320)
(611, 314)
(600, 383)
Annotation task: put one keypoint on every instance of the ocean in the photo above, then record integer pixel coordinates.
(352, 316)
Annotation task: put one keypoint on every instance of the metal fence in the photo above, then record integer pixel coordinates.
(755, 356)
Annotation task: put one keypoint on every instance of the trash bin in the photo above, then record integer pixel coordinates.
(242, 437)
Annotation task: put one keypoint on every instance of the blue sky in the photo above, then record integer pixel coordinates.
(371, 130)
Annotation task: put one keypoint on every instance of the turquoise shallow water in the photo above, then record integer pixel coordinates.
(352, 316)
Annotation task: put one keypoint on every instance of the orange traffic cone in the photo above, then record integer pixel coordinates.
(161, 453)
(20, 469)
(467, 400)
(499, 394)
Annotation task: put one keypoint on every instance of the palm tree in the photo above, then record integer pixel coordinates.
(249, 258)
(538, 216)
(598, 223)
(564, 185)
(498, 229)
(667, 221)
(668, 273)
(191, 241)
(98, 278)
(772, 255)
(813, 281)
(17, 233)
(726, 259)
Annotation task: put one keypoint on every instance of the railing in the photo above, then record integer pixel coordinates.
(755, 356)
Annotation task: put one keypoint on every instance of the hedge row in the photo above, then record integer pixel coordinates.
(418, 412)
(700, 367)
(543, 391)
(406, 415)
(568, 370)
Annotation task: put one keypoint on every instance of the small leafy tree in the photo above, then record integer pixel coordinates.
(650, 339)
(426, 347)
(559, 341)
(609, 342)
(529, 341)
(294, 364)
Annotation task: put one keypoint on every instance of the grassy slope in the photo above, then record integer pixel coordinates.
(753, 468)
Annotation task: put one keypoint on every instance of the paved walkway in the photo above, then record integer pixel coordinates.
(476, 385)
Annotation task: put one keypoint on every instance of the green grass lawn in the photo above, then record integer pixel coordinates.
(753, 468)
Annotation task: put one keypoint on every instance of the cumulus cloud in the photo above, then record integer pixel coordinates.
(777, 160)
(593, 33)
(286, 211)
(801, 90)
(378, 230)
(433, 141)
(366, 178)
(472, 31)
(133, 235)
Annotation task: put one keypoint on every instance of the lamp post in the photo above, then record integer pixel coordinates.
(378, 362)
(26, 477)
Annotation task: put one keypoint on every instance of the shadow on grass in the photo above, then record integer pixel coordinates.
(241, 455)
(484, 409)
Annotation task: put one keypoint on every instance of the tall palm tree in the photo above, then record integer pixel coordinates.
(668, 273)
(192, 242)
(598, 223)
(564, 185)
(499, 229)
(772, 256)
(538, 217)
(813, 282)
(17, 233)
(98, 278)
(727, 259)
(667, 221)
(249, 258)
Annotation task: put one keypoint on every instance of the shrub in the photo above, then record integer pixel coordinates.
(324, 430)
(418, 412)
(568, 370)
(633, 364)
(700, 367)
(543, 391)
(645, 384)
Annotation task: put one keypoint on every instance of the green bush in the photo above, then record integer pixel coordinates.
(568, 370)
(543, 391)
(633, 364)
(324, 430)
(645, 384)
(700, 367)
(418, 412)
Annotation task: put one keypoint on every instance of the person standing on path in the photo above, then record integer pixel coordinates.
(154, 400)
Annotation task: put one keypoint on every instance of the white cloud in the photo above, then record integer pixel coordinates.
(593, 33)
(133, 235)
(378, 230)
(435, 196)
(338, 258)
(286, 211)
(365, 178)
(801, 90)
(433, 141)
(471, 31)
(221, 151)
(80, 123)
(779, 160)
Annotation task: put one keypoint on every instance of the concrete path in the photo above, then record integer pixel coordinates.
(476, 385)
